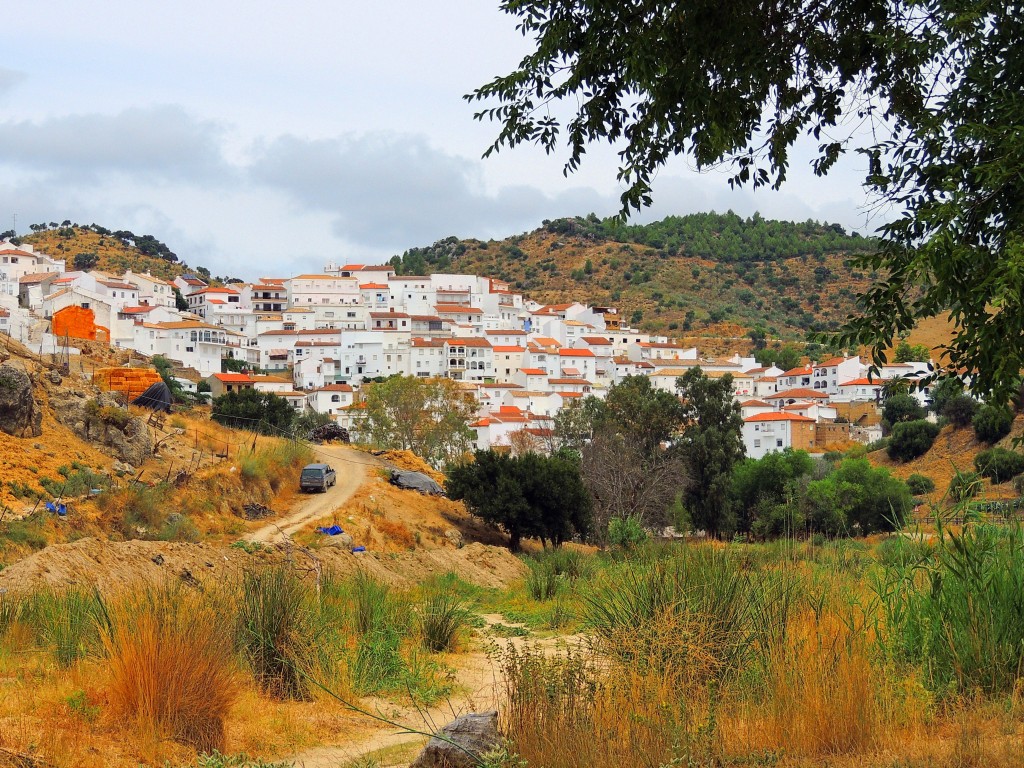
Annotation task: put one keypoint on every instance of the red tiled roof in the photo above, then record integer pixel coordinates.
(798, 394)
(777, 417)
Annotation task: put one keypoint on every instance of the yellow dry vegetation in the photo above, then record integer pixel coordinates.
(954, 449)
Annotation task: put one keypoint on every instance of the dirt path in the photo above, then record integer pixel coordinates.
(351, 466)
(479, 676)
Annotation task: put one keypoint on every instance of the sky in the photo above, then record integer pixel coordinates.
(268, 138)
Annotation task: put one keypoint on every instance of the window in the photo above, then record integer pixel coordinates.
(778, 443)
(757, 443)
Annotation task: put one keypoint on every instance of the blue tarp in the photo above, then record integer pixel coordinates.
(334, 530)
(60, 509)
(358, 549)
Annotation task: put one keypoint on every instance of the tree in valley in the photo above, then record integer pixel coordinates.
(928, 93)
(623, 443)
(711, 444)
(526, 496)
(758, 487)
(429, 417)
(255, 411)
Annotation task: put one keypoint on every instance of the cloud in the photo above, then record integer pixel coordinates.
(9, 80)
(159, 144)
(388, 191)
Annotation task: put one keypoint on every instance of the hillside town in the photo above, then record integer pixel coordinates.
(313, 339)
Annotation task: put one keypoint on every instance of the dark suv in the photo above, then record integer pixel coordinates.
(317, 477)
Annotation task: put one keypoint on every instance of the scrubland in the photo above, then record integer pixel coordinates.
(901, 651)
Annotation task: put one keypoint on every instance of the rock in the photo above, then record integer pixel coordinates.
(104, 421)
(158, 559)
(19, 413)
(55, 377)
(342, 541)
(455, 538)
(476, 733)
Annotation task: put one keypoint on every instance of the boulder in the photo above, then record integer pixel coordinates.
(19, 413)
(341, 540)
(462, 742)
(104, 421)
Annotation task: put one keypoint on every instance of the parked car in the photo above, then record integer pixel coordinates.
(317, 477)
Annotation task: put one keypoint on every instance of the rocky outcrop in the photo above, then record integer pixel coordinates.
(104, 421)
(20, 415)
(462, 742)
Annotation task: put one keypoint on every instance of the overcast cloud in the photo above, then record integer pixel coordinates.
(261, 139)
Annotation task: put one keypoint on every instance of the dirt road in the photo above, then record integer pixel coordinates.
(479, 677)
(351, 466)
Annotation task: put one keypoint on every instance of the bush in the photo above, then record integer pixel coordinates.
(992, 424)
(442, 618)
(542, 581)
(920, 484)
(277, 631)
(960, 410)
(901, 408)
(999, 464)
(171, 668)
(911, 439)
(626, 532)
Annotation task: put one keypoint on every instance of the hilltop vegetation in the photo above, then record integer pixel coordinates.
(94, 247)
(676, 275)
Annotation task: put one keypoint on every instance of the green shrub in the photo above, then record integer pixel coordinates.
(740, 612)
(900, 408)
(960, 410)
(542, 580)
(903, 551)
(626, 532)
(999, 465)
(911, 439)
(67, 622)
(920, 484)
(992, 424)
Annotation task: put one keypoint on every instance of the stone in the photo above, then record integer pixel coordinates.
(104, 422)
(455, 538)
(19, 414)
(342, 541)
(54, 376)
(475, 733)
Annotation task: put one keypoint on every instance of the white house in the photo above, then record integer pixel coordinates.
(765, 433)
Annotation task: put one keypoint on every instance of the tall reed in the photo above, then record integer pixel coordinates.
(278, 630)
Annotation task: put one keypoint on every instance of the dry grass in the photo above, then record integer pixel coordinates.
(570, 710)
(821, 692)
(171, 669)
(396, 532)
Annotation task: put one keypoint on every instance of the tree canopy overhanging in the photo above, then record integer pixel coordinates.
(934, 85)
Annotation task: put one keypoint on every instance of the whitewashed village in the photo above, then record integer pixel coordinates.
(314, 339)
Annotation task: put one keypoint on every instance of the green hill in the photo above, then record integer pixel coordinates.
(681, 274)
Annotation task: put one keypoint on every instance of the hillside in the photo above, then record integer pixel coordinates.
(681, 275)
(114, 251)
